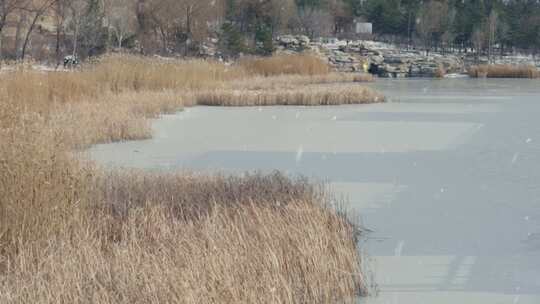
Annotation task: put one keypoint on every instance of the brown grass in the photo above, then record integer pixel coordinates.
(294, 81)
(134, 73)
(249, 255)
(363, 77)
(298, 64)
(111, 99)
(74, 233)
(307, 96)
(504, 71)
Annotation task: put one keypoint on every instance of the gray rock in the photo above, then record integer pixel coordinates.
(303, 40)
(287, 40)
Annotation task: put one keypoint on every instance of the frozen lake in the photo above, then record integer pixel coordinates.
(446, 174)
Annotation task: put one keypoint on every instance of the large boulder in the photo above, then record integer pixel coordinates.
(424, 69)
(303, 40)
(287, 40)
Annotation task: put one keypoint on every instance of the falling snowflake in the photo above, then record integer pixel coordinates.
(299, 153)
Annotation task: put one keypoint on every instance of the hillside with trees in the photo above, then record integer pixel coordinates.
(51, 29)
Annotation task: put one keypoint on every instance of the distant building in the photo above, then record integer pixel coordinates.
(363, 27)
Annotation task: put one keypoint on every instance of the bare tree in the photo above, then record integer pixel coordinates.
(341, 16)
(7, 7)
(21, 21)
(280, 12)
(77, 8)
(121, 18)
(478, 39)
(447, 35)
(36, 8)
(162, 19)
(492, 29)
(198, 17)
(432, 21)
(181, 21)
(314, 22)
(60, 11)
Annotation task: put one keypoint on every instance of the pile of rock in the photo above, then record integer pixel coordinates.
(344, 61)
(378, 58)
(209, 48)
(297, 43)
(382, 59)
(392, 62)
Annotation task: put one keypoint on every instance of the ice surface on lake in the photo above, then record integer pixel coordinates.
(448, 178)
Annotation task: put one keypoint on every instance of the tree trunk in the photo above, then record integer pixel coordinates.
(409, 30)
(58, 43)
(28, 33)
(75, 38)
(2, 23)
(163, 40)
(16, 47)
(120, 38)
(189, 11)
(1, 38)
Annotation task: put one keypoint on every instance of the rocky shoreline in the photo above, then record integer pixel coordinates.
(386, 60)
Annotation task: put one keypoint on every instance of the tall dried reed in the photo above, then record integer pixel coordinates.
(295, 81)
(440, 72)
(73, 233)
(308, 96)
(134, 73)
(504, 71)
(298, 64)
(253, 254)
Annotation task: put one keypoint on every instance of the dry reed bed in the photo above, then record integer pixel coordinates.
(294, 81)
(504, 71)
(111, 99)
(249, 255)
(114, 117)
(295, 64)
(307, 96)
(76, 234)
(70, 232)
(440, 72)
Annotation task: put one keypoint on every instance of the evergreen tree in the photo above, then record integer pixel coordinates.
(264, 40)
(93, 36)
